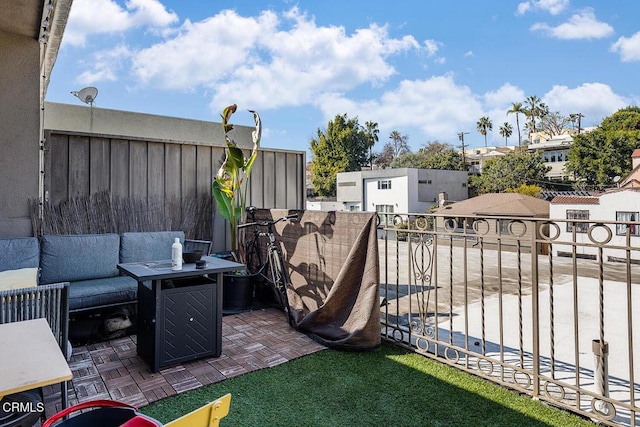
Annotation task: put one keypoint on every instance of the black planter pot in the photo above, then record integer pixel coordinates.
(237, 293)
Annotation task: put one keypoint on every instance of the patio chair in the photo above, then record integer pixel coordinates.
(208, 415)
(195, 245)
(48, 301)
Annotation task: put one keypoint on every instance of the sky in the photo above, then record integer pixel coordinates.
(425, 68)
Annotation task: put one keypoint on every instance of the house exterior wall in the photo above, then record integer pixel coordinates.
(349, 187)
(554, 151)
(412, 190)
(605, 211)
(19, 132)
(395, 196)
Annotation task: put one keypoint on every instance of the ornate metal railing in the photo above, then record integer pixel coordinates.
(545, 307)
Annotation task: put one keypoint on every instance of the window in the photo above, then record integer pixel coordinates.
(581, 227)
(384, 184)
(621, 229)
(354, 208)
(382, 211)
(384, 208)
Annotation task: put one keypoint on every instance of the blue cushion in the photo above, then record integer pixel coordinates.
(97, 292)
(148, 246)
(78, 257)
(22, 252)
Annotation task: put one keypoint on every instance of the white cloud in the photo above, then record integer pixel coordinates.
(628, 48)
(583, 25)
(205, 52)
(554, 7)
(468, 54)
(432, 47)
(503, 97)
(105, 65)
(252, 61)
(437, 107)
(595, 100)
(89, 17)
(523, 8)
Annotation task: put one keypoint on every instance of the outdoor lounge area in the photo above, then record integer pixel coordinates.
(111, 369)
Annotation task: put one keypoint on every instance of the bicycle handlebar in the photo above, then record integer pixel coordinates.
(268, 222)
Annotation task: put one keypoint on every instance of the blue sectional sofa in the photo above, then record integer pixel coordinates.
(88, 262)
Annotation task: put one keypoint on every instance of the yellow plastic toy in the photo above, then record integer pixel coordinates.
(208, 415)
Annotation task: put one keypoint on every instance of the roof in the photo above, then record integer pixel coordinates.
(499, 204)
(633, 176)
(576, 200)
(549, 195)
(636, 153)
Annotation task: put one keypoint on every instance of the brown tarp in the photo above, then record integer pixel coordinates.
(332, 260)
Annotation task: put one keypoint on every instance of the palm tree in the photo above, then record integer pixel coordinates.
(372, 132)
(517, 108)
(535, 109)
(506, 130)
(483, 126)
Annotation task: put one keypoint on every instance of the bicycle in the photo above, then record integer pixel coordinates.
(269, 271)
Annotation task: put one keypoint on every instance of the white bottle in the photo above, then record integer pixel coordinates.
(176, 255)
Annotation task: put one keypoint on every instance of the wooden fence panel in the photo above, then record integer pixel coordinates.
(78, 166)
(280, 198)
(156, 169)
(84, 165)
(57, 168)
(138, 171)
(188, 170)
(119, 167)
(99, 164)
(173, 171)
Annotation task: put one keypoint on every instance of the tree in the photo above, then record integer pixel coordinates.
(397, 146)
(526, 189)
(510, 171)
(505, 131)
(372, 131)
(553, 124)
(434, 155)
(518, 109)
(399, 143)
(341, 148)
(596, 157)
(483, 126)
(535, 110)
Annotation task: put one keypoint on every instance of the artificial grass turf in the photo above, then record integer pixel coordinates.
(387, 387)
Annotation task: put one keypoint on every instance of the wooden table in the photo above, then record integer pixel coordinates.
(179, 311)
(30, 357)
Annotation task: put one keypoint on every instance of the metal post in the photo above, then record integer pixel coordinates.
(601, 374)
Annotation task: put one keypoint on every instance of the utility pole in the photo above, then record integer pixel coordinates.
(580, 116)
(461, 138)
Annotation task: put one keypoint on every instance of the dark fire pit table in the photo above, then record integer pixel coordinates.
(179, 312)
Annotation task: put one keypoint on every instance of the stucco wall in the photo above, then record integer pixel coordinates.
(19, 132)
(605, 213)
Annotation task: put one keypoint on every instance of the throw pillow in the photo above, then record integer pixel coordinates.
(16, 279)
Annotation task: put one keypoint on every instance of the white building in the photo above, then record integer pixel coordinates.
(555, 151)
(475, 158)
(621, 206)
(405, 190)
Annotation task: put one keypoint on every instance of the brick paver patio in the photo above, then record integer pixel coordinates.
(112, 369)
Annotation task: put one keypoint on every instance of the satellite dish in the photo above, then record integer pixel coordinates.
(616, 178)
(86, 95)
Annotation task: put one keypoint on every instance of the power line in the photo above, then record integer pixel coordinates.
(463, 146)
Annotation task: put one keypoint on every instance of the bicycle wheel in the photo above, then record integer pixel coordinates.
(279, 280)
(253, 254)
